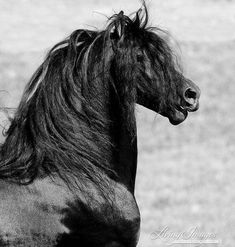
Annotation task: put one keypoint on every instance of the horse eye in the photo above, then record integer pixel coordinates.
(140, 58)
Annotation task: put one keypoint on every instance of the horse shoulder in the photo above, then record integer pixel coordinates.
(49, 212)
(32, 213)
(101, 217)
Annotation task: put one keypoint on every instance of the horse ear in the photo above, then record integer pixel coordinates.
(137, 18)
(118, 30)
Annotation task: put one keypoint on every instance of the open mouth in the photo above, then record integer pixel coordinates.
(178, 115)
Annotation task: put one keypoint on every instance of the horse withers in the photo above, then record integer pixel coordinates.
(68, 163)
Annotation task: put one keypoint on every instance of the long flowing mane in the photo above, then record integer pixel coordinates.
(61, 125)
(60, 116)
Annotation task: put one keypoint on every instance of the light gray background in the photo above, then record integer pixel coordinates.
(186, 173)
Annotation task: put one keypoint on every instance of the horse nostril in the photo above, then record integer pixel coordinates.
(190, 96)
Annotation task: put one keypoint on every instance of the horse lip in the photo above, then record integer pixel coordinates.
(193, 107)
(177, 120)
(181, 109)
(174, 114)
(190, 108)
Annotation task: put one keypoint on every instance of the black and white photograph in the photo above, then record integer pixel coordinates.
(117, 124)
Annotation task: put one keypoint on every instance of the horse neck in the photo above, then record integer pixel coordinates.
(126, 154)
(125, 143)
(122, 154)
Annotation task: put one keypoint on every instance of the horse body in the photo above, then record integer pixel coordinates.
(30, 215)
(47, 213)
(68, 164)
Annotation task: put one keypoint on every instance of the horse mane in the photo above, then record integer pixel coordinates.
(57, 126)
(60, 126)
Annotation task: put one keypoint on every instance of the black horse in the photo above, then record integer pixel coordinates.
(68, 163)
